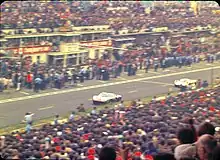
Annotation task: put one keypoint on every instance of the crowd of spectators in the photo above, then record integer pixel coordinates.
(22, 73)
(180, 127)
(118, 15)
(158, 52)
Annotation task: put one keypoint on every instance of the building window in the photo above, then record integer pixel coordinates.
(80, 60)
(86, 37)
(72, 59)
(86, 55)
(38, 59)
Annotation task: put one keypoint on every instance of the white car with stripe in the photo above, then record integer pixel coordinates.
(105, 97)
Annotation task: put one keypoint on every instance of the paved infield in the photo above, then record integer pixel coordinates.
(62, 101)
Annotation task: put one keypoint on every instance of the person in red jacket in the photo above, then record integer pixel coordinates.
(29, 80)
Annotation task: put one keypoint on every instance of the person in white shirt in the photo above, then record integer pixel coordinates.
(154, 99)
(29, 118)
(121, 104)
(72, 116)
(94, 111)
(19, 82)
(139, 102)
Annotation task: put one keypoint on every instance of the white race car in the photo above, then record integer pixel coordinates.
(185, 82)
(105, 97)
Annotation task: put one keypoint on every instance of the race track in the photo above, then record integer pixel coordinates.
(45, 105)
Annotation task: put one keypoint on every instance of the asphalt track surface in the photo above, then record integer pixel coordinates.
(48, 104)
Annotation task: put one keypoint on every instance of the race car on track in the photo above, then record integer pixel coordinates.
(185, 82)
(105, 97)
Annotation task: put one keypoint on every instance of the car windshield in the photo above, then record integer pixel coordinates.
(184, 80)
(106, 94)
(103, 94)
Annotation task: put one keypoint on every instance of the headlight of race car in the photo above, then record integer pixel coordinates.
(96, 98)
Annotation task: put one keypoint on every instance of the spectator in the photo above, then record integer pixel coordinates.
(206, 144)
(29, 80)
(186, 136)
(72, 116)
(56, 119)
(81, 108)
(164, 156)
(29, 118)
(2, 140)
(202, 149)
(216, 153)
(19, 82)
(139, 102)
(154, 99)
(94, 111)
(37, 84)
(121, 104)
(28, 128)
(191, 125)
(206, 128)
(205, 84)
(1, 86)
(107, 153)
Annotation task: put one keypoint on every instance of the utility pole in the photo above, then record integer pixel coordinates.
(65, 60)
(20, 50)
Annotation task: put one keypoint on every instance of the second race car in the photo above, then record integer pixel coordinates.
(105, 97)
(186, 83)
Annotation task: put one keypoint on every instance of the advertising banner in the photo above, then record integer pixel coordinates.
(30, 50)
(94, 44)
